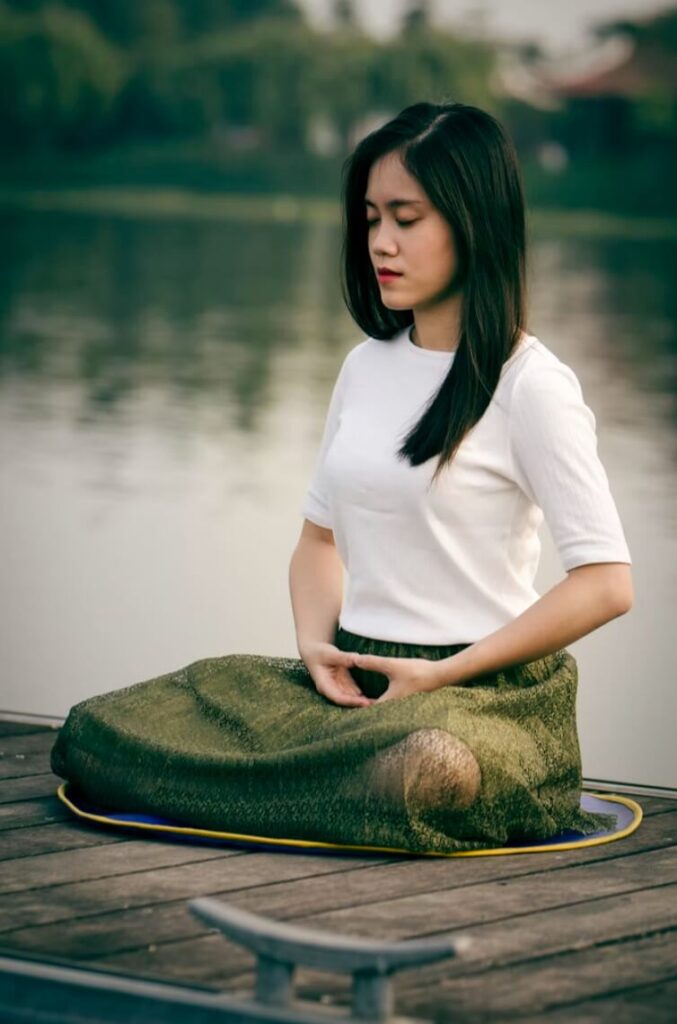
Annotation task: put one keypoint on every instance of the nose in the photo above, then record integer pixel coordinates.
(381, 240)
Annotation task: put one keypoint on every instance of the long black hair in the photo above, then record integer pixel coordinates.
(467, 165)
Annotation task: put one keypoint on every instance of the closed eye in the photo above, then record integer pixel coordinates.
(402, 223)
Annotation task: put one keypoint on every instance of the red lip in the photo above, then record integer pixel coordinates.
(384, 272)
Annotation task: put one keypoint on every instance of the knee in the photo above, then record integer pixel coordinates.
(440, 771)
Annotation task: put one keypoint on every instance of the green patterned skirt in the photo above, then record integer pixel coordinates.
(245, 743)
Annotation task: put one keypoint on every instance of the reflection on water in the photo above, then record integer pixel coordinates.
(163, 388)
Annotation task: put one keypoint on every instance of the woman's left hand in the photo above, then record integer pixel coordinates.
(405, 675)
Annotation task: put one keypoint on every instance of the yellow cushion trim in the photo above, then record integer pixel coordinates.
(316, 844)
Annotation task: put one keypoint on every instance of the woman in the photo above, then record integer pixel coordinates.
(451, 433)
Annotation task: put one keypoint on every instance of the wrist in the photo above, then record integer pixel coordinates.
(306, 644)
(302, 646)
(446, 672)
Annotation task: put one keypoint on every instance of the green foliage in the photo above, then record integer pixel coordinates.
(131, 23)
(439, 66)
(203, 69)
(59, 78)
(232, 95)
(251, 76)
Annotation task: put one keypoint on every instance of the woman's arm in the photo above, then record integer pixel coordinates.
(591, 595)
(315, 585)
(316, 588)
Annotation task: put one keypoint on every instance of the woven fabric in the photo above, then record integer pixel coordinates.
(245, 743)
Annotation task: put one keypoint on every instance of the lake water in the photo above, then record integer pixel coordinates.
(163, 387)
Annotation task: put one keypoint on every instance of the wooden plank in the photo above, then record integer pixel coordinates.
(212, 956)
(503, 935)
(28, 788)
(8, 728)
(177, 882)
(648, 1002)
(34, 991)
(348, 905)
(409, 877)
(654, 805)
(17, 766)
(500, 945)
(540, 986)
(27, 743)
(41, 811)
(651, 1003)
(574, 890)
(414, 879)
(28, 842)
(45, 870)
(80, 865)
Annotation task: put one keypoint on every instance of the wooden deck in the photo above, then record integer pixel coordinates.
(576, 936)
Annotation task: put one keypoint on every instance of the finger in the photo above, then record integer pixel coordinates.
(338, 681)
(348, 658)
(351, 698)
(352, 701)
(359, 697)
(355, 699)
(373, 661)
(344, 677)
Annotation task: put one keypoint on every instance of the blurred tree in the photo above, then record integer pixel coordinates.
(201, 16)
(128, 21)
(265, 80)
(59, 79)
(343, 14)
(250, 76)
(438, 66)
(341, 83)
(416, 17)
(120, 20)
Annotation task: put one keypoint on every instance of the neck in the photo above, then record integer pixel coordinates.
(438, 328)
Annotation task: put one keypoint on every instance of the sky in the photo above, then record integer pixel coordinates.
(560, 26)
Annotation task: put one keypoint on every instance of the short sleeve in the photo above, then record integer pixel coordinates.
(554, 452)
(316, 504)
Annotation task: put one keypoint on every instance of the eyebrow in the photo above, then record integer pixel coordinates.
(397, 202)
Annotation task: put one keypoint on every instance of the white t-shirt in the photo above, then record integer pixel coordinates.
(454, 562)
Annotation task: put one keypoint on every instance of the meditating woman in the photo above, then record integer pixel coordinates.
(433, 708)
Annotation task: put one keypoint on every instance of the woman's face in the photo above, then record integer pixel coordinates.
(414, 239)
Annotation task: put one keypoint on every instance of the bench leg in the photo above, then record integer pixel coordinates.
(372, 996)
(274, 981)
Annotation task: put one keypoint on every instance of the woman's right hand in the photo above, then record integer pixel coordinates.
(329, 670)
